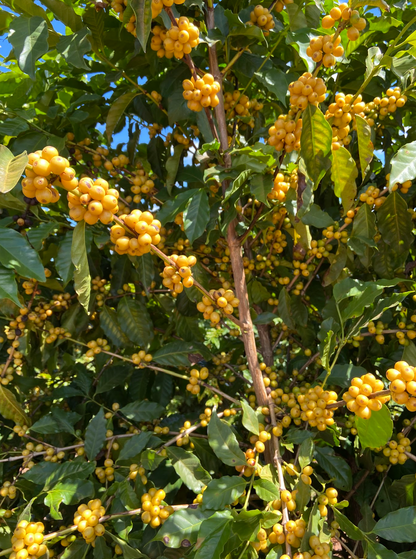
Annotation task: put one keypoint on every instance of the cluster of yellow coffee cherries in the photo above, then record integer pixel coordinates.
(87, 520)
(141, 231)
(281, 186)
(45, 167)
(307, 90)
(325, 48)
(403, 384)
(341, 115)
(358, 395)
(179, 276)
(201, 92)
(178, 41)
(141, 357)
(27, 540)
(96, 346)
(403, 187)
(329, 497)
(196, 375)
(223, 299)
(285, 134)
(372, 197)
(295, 530)
(154, 513)
(136, 470)
(93, 201)
(280, 4)
(142, 184)
(236, 103)
(395, 450)
(381, 107)
(8, 490)
(314, 407)
(106, 473)
(261, 17)
(346, 14)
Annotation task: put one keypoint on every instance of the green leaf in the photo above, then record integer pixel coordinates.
(172, 166)
(29, 37)
(315, 145)
(134, 446)
(365, 144)
(82, 278)
(275, 81)
(128, 551)
(150, 460)
(70, 492)
(95, 21)
(112, 328)
(398, 526)
(57, 421)
(376, 431)
(344, 172)
(143, 11)
(249, 419)
(213, 534)
(378, 551)
(175, 353)
(261, 186)
(182, 527)
(17, 254)
(142, 411)
(135, 321)
(395, 223)
(174, 206)
(95, 435)
(338, 262)
(306, 453)
(78, 549)
(223, 491)
(189, 469)
(64, 13)
(74, 47)
(112, 377)
(317, 217)
(223, 442)
(102, 550)
(8, 286)
(376, 3)
(117, 110)
(36, 235)
(11, 168)
(347, 526)
(196, 215)
(10, 407)
(11, 202)
(284, 308)
(403, 165)
(363, 232)
(266, 490)
(63, 261)
(335, 466)
(341, 375)
(146, 269)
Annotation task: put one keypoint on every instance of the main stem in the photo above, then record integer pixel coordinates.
(233, 242)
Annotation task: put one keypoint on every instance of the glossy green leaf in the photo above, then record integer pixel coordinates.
(172, 166)
(181, 528)
(347, 526)
(365, 144)
(143, 11)
(64, 13)
(8, 286)
(95, 435)
(315, 144)
(223, 491)
(395, 223)
(117, 110)
(29, 37)
(266, 490)
(250, 420)
(146, 269)
(344, 172)
(10, 407)
(196, 215)
(376, 431)
(18, 255)
(11, 168)
(378, 551)
(142, 411)
(335, 466)
(134, 446)
(82, 278)
(403, 165)
(213, 535)
(135, 321)
(74, 47)
(63, 260)
(78, 549)
(111, 327)
(223, 442)
(398, 526)
(189, 469)
(69, 492)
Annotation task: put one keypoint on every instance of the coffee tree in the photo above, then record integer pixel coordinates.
(206, 329)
